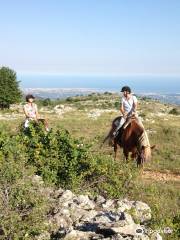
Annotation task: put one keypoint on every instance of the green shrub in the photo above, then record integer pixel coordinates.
(108, 93)
(62, 161)
(176, 224)
(174, 111)
(23, 208)
(69, 163)
(117, 105)
(46, 102)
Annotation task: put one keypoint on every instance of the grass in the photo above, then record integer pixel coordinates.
(163, 129)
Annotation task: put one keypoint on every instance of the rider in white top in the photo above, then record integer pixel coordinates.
(128, 106)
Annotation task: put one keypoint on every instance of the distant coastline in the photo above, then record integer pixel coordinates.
(62, 93)
(163, 88)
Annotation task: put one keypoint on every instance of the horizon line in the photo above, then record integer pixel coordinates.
(97, 74)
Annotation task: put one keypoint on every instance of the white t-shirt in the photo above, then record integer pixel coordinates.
(128, 104)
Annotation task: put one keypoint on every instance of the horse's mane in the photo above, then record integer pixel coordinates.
(139, 136)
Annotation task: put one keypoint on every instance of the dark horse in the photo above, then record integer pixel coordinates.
(132, 138)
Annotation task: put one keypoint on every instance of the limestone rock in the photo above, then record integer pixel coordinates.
(100, 200)
(66, 198)
(109, 203)
(141, 237)
(123, 205)
(79, 235)
(81, 217)
(142, 211)
(84, 202)
(156, 236)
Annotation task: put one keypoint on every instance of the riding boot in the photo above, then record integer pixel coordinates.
(122, 121)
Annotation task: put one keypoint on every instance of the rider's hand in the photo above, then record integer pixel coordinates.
(124, 115)
(35, 119)
(134, 113)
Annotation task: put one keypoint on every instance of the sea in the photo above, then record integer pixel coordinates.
(165, 88)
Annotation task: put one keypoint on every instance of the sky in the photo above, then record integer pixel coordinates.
(105, 37)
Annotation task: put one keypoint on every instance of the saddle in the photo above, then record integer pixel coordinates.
(129, 120)
(143, 138)
(124, 126)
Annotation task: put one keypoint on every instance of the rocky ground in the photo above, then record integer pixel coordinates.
(84, 217)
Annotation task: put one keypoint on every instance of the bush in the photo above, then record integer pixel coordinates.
(23, 208)
(174, 111)
(68, 162)
(46, 102)
(108, 93)
(62, 161)
(176, 224)
(117, 105)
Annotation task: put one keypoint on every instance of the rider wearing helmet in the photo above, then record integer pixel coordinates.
(129, 102)
(128, 106)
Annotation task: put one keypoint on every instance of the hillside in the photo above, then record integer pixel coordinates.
(61, 93)
(88, 119)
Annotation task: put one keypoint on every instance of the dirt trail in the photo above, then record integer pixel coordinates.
(161, 176)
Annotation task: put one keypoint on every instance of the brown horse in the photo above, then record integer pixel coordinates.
(132, 138)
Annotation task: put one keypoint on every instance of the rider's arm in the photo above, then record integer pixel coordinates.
(25, 112)
(135, 106)
(135, 103)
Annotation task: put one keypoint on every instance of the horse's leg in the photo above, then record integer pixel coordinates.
(141, 168)
(115, 150)
(126, 154)
(134, 154)
(140, 161)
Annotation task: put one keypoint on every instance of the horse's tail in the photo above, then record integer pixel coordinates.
(107, 138)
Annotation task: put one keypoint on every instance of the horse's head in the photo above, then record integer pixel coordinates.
(144, 154)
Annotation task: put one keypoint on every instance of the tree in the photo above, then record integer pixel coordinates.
(9, 88)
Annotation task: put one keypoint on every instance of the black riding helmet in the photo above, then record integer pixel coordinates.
(29, 96)
(126, 88)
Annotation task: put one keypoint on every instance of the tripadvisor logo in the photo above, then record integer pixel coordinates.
(139, 231)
